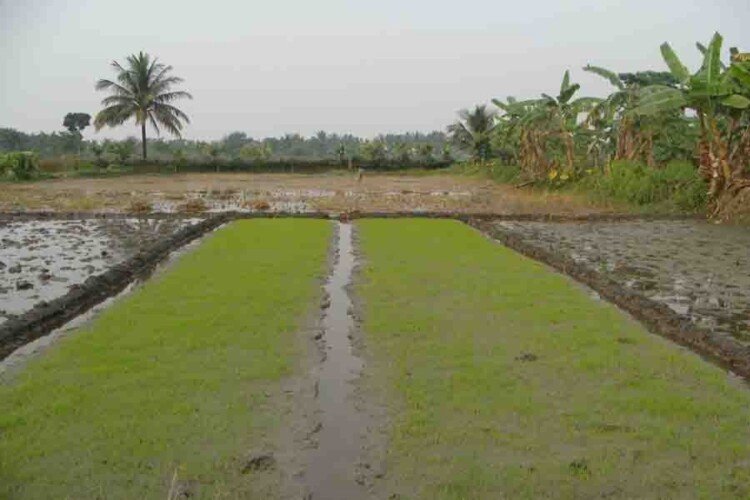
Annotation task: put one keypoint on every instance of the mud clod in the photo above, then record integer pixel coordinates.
(24, 285)
(258, 462)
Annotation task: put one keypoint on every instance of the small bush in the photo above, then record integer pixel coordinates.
(21, 166)
(677, 185)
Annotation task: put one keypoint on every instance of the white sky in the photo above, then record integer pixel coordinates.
(359, 66)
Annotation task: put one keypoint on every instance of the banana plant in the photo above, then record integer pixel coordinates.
(720, 98)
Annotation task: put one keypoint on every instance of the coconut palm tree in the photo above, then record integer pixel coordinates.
(474, 131)
(143, 90)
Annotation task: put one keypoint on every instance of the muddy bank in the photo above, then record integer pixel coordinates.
(545, 242)
(48, 315)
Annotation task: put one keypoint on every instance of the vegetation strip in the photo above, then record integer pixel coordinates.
(659, 318)
(46, 316)
(507, 380)
(181, 377)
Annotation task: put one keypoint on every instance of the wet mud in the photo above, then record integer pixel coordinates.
(332, 469)
(685, 280)
(699, 270)
(45, 316)
(41, 260)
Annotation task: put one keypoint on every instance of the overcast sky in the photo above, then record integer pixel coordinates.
(360, 66)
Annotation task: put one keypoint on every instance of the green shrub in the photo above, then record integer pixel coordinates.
(19, 165)
(677, 185)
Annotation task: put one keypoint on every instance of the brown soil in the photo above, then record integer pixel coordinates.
(335, 192)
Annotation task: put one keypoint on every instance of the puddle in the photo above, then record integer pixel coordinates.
(40, 260)
(699, 270)
(331, 472)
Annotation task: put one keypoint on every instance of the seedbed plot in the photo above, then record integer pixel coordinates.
(173, 387)
(504, 379)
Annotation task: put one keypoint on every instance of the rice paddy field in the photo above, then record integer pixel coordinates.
(368, 358)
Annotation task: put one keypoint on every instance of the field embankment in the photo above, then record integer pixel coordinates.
(180, 380)
(507, 380)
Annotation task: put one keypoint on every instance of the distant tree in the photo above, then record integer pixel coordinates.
(213, 150)
(11, 139)
(256, 152)
(123, 150)
(446, 154)
(424, 151)
(233, 143)
(341, 152)
(99, 149)
(374, 151)
(143, 91)
(473, 131)
(76, 122)
(402, 152)
(178, 157)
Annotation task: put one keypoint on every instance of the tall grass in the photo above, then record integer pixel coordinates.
(676, 186)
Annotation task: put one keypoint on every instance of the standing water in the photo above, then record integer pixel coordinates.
(331, 472)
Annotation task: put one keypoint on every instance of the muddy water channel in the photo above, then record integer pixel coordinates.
(331, 472)
(700, 270)
(41, 260)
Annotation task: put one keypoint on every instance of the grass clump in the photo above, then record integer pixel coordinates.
(181, 376)
(508, 380)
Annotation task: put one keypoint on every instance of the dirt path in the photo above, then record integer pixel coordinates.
(335, 192)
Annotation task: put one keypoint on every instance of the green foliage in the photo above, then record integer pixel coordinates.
(256, 152)
(507, 380)
(98, 151)
(122, 150)
(676, 186)
(374, 152)
(174, 377)
(19, 166)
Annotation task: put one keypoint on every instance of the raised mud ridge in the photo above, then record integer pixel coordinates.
(46, 316)
(657, 317)
(331, 471)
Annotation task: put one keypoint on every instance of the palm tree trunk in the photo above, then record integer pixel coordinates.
(143, 139)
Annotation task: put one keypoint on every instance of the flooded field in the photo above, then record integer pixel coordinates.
(700, 270)
(41, 260)
(248, 192)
